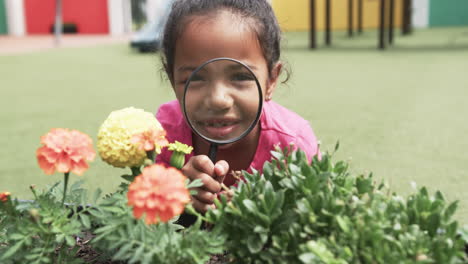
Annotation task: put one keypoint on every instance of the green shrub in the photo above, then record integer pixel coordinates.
(321, 213)
(43, 230)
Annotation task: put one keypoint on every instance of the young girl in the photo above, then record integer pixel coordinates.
(246, 30)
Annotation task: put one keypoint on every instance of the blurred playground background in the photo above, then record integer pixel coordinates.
(400, 113)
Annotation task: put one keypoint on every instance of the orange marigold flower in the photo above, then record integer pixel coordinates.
(150, 139)
(159, 192)
(65, 150)
(4, 196)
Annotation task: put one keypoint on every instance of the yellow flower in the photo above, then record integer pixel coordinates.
(180, 147)
(114, 137)
(179, 150)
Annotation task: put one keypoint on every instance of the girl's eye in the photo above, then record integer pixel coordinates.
(196, 78)
(242, 77)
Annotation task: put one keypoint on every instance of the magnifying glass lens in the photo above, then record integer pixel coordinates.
(222, 101)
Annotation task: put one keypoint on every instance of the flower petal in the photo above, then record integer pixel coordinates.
(45, 165)
(159, 192)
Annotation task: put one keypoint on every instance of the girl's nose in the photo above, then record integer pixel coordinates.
(219, 97)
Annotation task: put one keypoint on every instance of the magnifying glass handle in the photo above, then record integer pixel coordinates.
(212, 152)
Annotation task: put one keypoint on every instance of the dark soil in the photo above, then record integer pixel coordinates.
(89, 255)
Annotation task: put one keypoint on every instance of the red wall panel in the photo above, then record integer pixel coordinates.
(90, 16)
(39, 15)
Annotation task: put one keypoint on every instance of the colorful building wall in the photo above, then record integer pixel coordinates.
(293, 15)
(3, 18)
(448, 12)
(90, 16)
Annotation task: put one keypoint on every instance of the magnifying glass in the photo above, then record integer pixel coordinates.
(222, 102)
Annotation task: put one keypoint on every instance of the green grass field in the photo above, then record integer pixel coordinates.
(401, 113)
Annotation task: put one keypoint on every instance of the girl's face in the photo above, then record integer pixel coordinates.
(219, 111)
(222, 100)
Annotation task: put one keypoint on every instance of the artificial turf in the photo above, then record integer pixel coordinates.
(400, 113)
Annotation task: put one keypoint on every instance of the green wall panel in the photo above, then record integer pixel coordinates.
(448, 12)
(3, 18)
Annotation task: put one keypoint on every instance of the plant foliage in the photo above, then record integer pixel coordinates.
(319, 212)
(124, 238)
(43, 230)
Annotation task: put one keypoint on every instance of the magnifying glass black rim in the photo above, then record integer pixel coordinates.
(259, 111)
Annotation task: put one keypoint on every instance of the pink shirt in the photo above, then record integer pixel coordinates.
(278, 125)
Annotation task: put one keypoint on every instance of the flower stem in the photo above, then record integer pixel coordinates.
(65, 185)
(177, 159)
(33, 190)
(224, 187)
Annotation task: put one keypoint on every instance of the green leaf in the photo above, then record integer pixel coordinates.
(463, 233)
(59, 238)
(342, 223)
(16, 236)
(340, 167)
(434, 223)
(70, 241)
(12, 250)
(114, 209)
(321, 251)
(364, 185)
(450, 211)
(269, 196)
(195, 183)
(105, 229)
(128, 177)
(267, 170)
(84, 198)
(277, 155)
(53, 186)
(96, 213)
(423, 191)
(337, 146)
(276, 209)
(254, 244)
(123, 251)
(308, 258)
(452, 230)
(147, 258)
(439, 196)
(138, 254)
(85, 220)
(96, 195)
(34, 256)
(250, 205)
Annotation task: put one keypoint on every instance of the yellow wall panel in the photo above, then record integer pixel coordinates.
(293, 15)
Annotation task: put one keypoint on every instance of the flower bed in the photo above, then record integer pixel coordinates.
(294, 212)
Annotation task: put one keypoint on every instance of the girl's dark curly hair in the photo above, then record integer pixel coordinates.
(258, 14)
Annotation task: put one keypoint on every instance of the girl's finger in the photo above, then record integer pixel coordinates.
(221, 168)
(209, 184)
(200, 206)
(203, 164)
(204, 196)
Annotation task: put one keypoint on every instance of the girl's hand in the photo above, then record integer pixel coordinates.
(212, 175)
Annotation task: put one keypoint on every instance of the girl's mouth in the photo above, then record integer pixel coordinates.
(218, 129)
